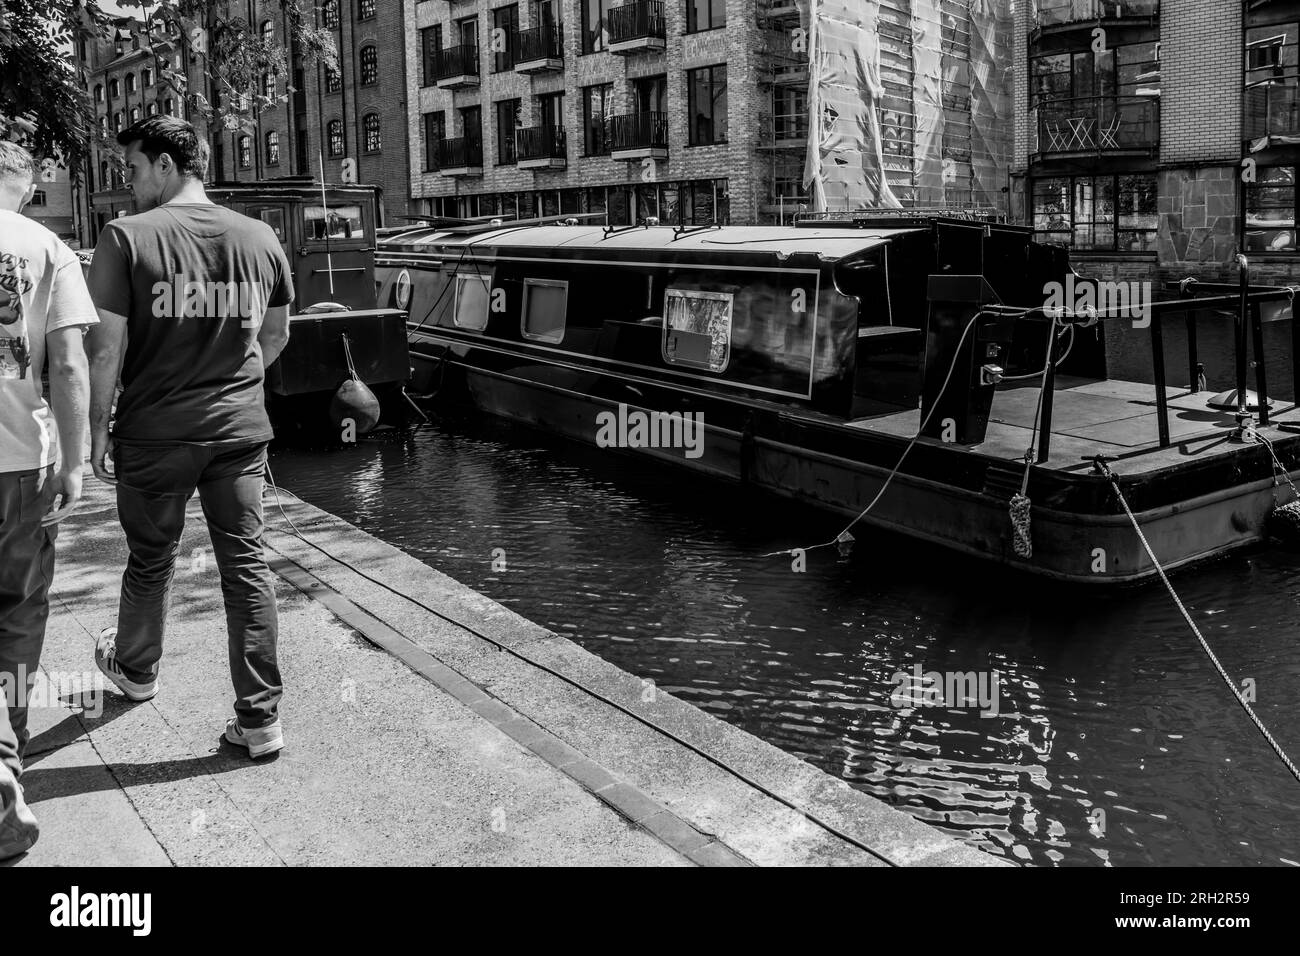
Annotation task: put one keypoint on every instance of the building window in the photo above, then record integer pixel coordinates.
(167, 107)
(706, 110)
(1271, 82)
(151, 109)
(507, 123)
(595, 25)
(99, 92)
(329, 12)
(268, 85)
(697, 328)
(366, 10)
(1271, 211)
(369, 66)
(268, 32)
(114, 89)
(333, 82)
(146, 77)
(334, 133)
(273, 148)
(435, 130)
(1100, 213)
(117, 122)
(103, 126)
(471, 307)
(790, 112)
(302, 148)
(130, 82)
(135, 114)
(543, 311)
(38, 198)
(245, 145)
(370, 126)
(597, 104)
(505, 23)
(430, 44)
(705, 15)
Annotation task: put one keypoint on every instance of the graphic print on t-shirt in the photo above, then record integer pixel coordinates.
(14, 283)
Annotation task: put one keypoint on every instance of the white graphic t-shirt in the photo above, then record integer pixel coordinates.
(41, 290)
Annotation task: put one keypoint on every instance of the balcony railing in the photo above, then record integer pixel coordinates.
(539, 45)
(1272, 108)
(1098, 124)
(460, 153)
(641, 20)
(540, 142)
(1049, 13)
(456, 61)
(638, 131)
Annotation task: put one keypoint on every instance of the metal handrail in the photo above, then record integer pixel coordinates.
(459, 60)
(637, 20)
(1098, 124)
(638, 131)
(539, 43)
(541, 142)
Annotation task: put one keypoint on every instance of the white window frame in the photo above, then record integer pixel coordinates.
(728, 297)
(550, 338)
(460, 278)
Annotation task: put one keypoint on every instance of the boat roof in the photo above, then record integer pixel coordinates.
(781, 241)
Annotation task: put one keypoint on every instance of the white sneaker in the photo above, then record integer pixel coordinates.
(259, 741)
(18, 828)
(106, 661)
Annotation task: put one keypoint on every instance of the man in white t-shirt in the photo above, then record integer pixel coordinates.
(44, 309)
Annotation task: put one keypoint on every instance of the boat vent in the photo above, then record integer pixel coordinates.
(1003, 481)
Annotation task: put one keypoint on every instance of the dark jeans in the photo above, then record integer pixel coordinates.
(154, 482)
(26, 570)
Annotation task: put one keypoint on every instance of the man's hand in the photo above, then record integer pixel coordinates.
(67, 487)
(100, 448)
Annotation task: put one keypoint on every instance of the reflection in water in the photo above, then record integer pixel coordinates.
(1113, 741)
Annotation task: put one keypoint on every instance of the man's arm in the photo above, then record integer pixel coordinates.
(106, 343)
(69, 390)
(273, 336)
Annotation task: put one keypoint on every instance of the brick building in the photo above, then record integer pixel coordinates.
(1157, 139)
(121, 74)
(353, 122)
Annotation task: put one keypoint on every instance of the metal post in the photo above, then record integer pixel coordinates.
(1158, 372)
(1295, 356)
(1257, 333)
(1242, 408)
(1193, 365)
(1049, 392)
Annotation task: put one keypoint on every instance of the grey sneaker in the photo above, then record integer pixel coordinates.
(18, 828)
(106, 661)
(258, 741)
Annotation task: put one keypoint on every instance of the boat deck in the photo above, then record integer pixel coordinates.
(1101, 416)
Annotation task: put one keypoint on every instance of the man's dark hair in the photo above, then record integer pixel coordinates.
(175, 137)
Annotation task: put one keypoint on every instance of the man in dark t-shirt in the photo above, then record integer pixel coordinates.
(193, 304)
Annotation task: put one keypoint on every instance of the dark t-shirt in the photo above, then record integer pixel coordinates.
(194, 282)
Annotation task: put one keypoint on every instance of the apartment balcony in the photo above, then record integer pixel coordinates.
(639, 136)
(541, 147)
(539, 50)
(1272, 112)
(460, 157)
(456, 67)
(637, 27)
(778, 14)
(1098, 126)
(1052, 13)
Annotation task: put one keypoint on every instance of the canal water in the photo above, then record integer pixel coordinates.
(1104, 736)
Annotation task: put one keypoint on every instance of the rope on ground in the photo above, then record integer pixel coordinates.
(1240, 698)
(578, 685)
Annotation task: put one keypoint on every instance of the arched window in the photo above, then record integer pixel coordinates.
(151, 109)
(103, 125)
(245, 152)
(335, 134)
(135, 114)
(369, 65)
(329, 11)
(333, 82)
(167, 107)
(117, 122)
(114, 89)
(99, 92)
(146, 77)
(268, 32)
(103, 174)
(130, 82)
(273, 148)
(366, 9)
(371, 127)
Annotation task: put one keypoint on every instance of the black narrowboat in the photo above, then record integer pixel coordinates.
(828, 360)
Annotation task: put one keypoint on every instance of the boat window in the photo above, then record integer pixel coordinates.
(545, 301)
(472, 301)
(697, 328)
(338, 222)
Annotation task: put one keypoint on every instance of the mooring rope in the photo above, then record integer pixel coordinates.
(1240, 697)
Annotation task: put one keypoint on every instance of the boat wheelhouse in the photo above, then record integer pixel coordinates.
(830, 358)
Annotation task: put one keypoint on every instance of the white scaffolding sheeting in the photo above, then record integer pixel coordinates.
(990, 99)
(927, 98)
(845, 164)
